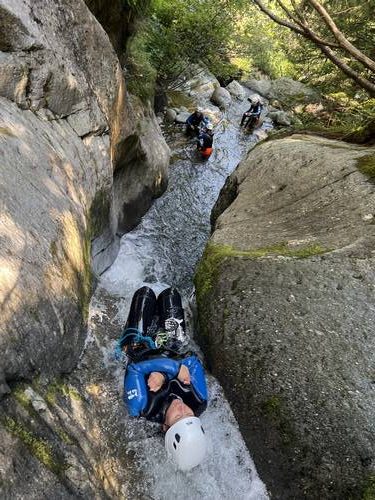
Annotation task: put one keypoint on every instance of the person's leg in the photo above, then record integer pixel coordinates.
(170, 307)
(141, 324)
(250, 122)
(142, 311)
(172, 318)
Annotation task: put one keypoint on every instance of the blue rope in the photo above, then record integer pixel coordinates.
(138, 337)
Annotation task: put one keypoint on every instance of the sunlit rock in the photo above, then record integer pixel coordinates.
(285, 294)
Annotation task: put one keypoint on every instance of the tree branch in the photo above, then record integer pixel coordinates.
(323, 46)
(343, 41)
(303, 29)
(277, 19)
(290, 14)
(362, 82)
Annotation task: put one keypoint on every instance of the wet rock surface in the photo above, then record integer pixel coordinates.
(286, 308)
(66, 438)
(70, 142)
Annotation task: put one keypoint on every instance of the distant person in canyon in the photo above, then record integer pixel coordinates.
(205, 141)
(164, 382)
(251, 117)
(194, 122)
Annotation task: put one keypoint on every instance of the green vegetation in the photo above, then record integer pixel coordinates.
(65, 438)
(214, 255)
(235, 39)
(142, 75)
(342, 116)
(369, 489)
(177, 33)
(37, 446)
(366, 165)
(19, 394)
(59, 387)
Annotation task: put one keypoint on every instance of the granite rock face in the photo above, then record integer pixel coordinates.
(284, 89)
(236, 90)
(198, 81)
(286, 308)
(68, 134)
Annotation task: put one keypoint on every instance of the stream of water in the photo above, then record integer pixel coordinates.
(163, 251)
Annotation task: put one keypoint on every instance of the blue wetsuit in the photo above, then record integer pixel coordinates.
(195, 119)
(140, 401)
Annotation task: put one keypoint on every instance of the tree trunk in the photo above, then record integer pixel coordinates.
(344, 43)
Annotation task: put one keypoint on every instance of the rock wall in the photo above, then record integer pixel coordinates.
(68, 138)
(285, 295)
(116, 21)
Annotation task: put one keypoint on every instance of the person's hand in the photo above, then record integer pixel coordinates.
(155, 381)
(184, 375)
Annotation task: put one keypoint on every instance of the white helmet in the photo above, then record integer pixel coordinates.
(209, 126)
(255, 99)
(186, 443)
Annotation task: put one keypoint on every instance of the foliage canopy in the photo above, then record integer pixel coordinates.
(234, 37)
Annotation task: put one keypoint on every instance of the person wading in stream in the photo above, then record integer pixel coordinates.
(251, 117)
(162, 383)
(194, 122)
(205, 141)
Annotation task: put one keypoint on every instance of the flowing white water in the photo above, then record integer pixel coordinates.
(163, 251)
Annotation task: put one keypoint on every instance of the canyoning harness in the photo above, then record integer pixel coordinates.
(132, 340)
(134, 346)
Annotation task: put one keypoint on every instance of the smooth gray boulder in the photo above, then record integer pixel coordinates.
(197, 81)
(262, 87)
(221, 97)
(236, 90)
(286, 306)
(170, 115)
(280, 118)
(286, 90)
(182, 117)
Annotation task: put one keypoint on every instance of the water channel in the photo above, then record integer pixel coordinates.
(163, 251)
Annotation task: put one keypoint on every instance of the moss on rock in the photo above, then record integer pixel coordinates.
(37, 446)
(214, 254)
(366, 165)
(60, 387)
(369, 488)
(177, 99)
(99, 212)
(21, 397)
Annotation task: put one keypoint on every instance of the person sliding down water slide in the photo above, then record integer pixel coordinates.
(163, 383)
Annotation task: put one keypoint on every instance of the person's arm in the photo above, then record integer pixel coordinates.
(197, 376)
(135, 387)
